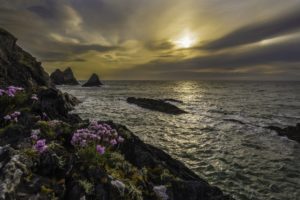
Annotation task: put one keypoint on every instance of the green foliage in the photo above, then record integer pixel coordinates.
(87, 186)
(11, 127)
(46, 131)
(30, 152)
(10, 104)
(134, 193)
(90, 157)
(58, 151)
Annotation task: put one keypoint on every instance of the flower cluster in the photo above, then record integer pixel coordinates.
(34, 97)
(12, 117)
(100, 134)
(40, 146)
(10, 91)
(45, 116)
(35, 134)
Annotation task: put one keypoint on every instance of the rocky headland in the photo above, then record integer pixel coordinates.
(48, 153)
(17, 67)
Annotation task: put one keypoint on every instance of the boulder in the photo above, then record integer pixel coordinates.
(156, 105)
(66, 77)
(292, 132)
(56, 104)
(17, 67)
(93, 81)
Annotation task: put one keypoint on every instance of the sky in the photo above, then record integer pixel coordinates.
(160, 39)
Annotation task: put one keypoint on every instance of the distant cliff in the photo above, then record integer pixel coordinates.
(17, 67)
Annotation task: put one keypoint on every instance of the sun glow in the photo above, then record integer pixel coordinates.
(186, 41)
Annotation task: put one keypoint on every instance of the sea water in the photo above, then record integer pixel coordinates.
(223, 138)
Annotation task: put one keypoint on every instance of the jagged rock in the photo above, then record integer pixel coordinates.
(190, 186)
(156, 105)
(63, 78)
(56, 104)
(57, 77)
(93, 81)
(18, 67)
(292, 132)
(11, 171)
(193, 190)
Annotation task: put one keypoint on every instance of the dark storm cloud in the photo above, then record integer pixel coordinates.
(288, 23)
(83, 48)
(67, 52)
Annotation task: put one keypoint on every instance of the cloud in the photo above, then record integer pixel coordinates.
(112, 36)
(159, 45)
(280, 25)
(235, 63)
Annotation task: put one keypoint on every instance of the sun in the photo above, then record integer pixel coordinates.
(185, 41)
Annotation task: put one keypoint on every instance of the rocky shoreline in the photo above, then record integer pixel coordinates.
(48, 153)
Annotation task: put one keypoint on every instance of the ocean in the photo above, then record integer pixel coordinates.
(222, 138)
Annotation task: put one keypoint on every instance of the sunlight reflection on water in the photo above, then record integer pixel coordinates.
(222, 138)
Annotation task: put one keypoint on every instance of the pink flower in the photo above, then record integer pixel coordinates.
(34, 97)
(7, 117)
(34, 137)
(100, 149)
(12, 90)
(35, 133)
(120, 139)
(2, 92)
(45, 116)
(113, 142)
(15, 114)
(40, 146)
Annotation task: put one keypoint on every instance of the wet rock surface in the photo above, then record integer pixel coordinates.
(291, 132)
(93, 81)
(156, 105)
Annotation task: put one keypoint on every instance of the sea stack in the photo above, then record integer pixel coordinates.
(66, 77)
(93, 81)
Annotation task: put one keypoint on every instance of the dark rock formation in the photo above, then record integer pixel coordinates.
(55, 104)
(63, 78)
(18, 67)
(156, 105)
(292, 132)
(57, 77)
(93, 81)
